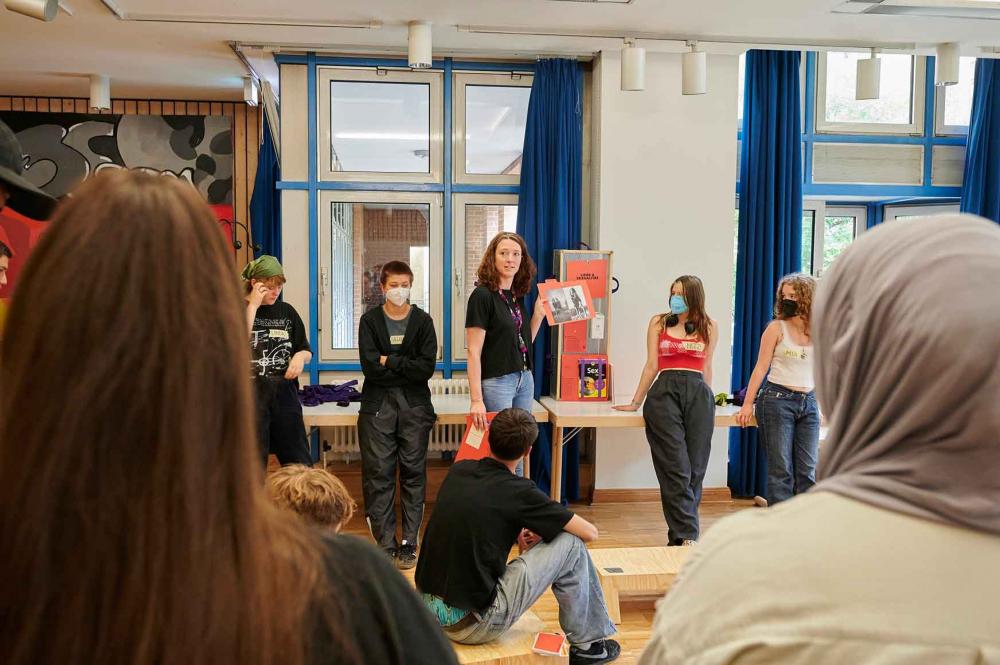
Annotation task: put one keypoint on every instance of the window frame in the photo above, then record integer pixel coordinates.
(461, 81)
(434, 79)
(435, 258)
(940, 100)
(891, 212)
(458, 276)
(858, 212)
(914, 128)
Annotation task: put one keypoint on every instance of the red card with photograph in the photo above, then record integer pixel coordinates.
(566, 302)
(549, 644)
(476, 442)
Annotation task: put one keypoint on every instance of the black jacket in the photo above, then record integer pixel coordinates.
(409, 368)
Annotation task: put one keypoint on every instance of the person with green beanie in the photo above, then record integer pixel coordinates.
(279, 351)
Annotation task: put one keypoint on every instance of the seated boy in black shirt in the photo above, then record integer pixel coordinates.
(482, 510)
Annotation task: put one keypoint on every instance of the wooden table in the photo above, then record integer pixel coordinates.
(578, 415)
(450, 410)
(637, 570)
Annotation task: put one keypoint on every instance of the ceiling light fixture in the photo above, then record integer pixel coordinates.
(869, 74)
(694, 71)
(43, 10)
(946, 64)
(633, 66)
(420, 45)
(100, 92)
(249, 91)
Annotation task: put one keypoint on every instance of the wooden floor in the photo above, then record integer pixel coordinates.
(621, 525)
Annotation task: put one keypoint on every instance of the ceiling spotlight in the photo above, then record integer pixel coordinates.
(633, 66)
(43, 10)
(100, 92)
(694, 71)
(420, 45)
(249, 91)
(869, 74)
(946, 64)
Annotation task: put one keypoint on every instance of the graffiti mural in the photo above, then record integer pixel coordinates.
(63, 149)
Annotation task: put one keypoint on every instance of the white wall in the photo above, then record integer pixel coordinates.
(664, 192)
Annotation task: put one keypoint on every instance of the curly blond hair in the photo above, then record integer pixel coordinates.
(315, 494)
(804, 286)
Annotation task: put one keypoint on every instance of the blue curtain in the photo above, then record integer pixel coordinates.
(265, 204)
(770, 230)
(548, 217)
(981, 185)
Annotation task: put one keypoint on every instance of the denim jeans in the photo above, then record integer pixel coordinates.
(562, 563)
(516, 389)
(788, 423)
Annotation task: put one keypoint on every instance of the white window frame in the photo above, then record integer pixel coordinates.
(324, 290)
(894, 211)
(860, 215)
(941, 129)
(434, 81)
(459, 278)
(462, 81)
(914, 127)
(818, 208)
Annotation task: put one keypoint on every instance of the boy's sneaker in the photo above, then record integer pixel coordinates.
(601, 651)
(392, 553)
(407, 557)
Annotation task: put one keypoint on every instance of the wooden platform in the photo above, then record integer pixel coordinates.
(636, 570)
(513, 647)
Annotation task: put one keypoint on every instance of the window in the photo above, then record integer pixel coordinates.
(827, 230)
(491, 112)
(893, 213)
(899, 109)
(359, 233)
(954, 102)
(478, 217)
(379, 125)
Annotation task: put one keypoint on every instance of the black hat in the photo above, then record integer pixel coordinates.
(25, 197)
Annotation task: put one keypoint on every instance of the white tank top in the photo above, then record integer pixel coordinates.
(792, 364)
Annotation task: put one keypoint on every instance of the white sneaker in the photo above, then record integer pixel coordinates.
(688, 543)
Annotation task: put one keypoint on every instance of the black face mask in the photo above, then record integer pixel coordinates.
(673, 319)
(789, 308)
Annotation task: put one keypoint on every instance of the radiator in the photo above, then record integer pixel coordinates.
(342, 442)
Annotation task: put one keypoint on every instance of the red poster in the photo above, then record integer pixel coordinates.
(594, 272)
(575, 337)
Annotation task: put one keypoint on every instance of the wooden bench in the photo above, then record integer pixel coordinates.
(513, 647)
(636, 570)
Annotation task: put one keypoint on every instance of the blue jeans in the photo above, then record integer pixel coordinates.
(562, 563)
(788, 422)
(516, 389)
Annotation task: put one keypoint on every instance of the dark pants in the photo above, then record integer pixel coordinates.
(280, 429)
(397, 434)
(788, 422)
(680, 416)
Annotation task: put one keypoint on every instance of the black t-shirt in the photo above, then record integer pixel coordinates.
(278, 334)
(501, 353)
(384, 620)
(480, 510)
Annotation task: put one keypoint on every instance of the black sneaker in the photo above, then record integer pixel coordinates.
(601, 651)
(392, 553)
(407, 556)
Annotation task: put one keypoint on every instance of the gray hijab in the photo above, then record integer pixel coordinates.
(906, 327)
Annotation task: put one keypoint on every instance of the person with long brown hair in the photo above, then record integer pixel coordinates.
(498, 333)
(679, 407)
(787, 414)
(134, 522)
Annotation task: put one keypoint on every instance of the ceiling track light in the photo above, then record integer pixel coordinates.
(694, 71)
(946, 64)
(869, 74)
(43, 10)
(420, 45)
(100, 92)
(633, 66)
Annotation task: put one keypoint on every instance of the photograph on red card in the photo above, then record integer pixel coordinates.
(566, 302)
(476, 442)
(549, 644)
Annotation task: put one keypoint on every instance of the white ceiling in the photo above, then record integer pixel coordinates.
(193, 61)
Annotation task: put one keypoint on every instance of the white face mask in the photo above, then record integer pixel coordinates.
(398, 296)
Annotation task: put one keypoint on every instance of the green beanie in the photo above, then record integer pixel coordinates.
(262, 268)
